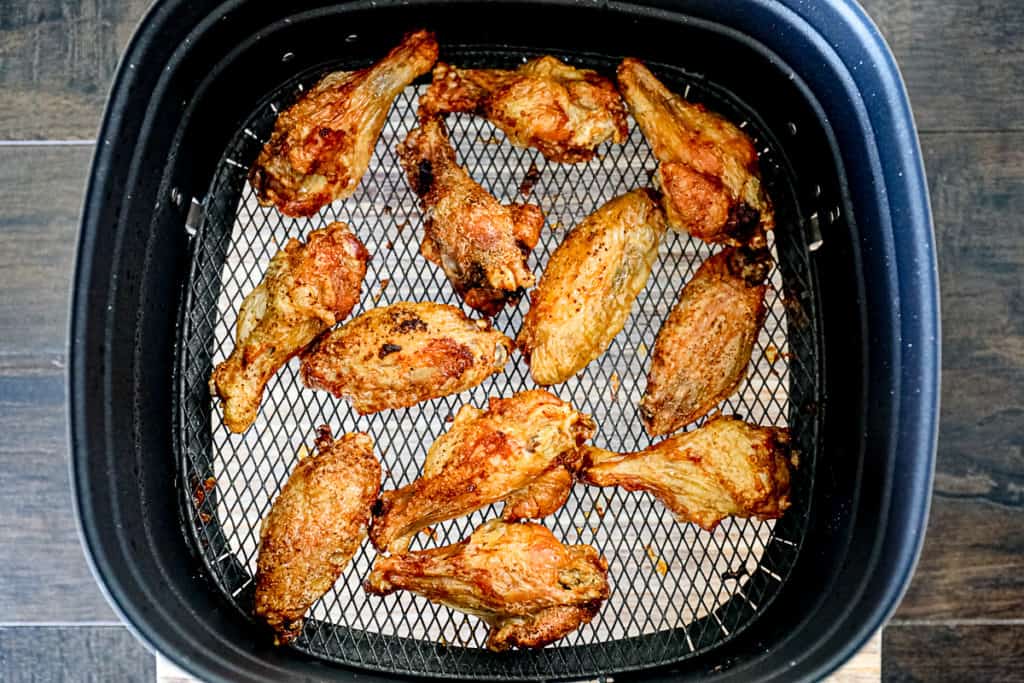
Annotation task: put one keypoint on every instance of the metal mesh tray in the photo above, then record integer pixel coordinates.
(676, 590)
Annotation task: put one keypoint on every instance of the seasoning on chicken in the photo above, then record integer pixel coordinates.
(708, 167)
(314, 528)
(560, 110)
(725, 468)
(480, 244)
(306, 289)
(398, 355)
(321, 146)
(511, 450)
(526, 585)
(702, 350)
(589, 285)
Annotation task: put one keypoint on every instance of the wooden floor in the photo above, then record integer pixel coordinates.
(963, 617)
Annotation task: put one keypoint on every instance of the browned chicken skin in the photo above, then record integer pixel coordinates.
(480, 244)
(725, 468)
(511, 450)
(529, 588)
(562, 111)
(589, 286)
(306, 289)
(321, 145)
(398, 355)
(708, 167)
(314, 528)
(703, 348)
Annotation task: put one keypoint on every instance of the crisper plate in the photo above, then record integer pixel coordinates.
(676, 590)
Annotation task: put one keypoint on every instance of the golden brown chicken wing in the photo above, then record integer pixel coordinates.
(480, 244)
(704, 346)
(725, 468)
(484, 458)
(396, 356)
(529, 588)
(322, 145)
(589, 285)
(562, 111)
(306, 289)
(314, 528)
(708, 167)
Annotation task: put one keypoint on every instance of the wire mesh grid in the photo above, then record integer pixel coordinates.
(676, 590)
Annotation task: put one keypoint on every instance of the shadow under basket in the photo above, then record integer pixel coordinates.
(172, 238)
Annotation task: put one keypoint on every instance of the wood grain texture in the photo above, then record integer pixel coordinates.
(57, 58)
(43, 189)
(43, 575)
(977, 187)
(973, 560)
(74, 654)
(953, 652)
(963, 60)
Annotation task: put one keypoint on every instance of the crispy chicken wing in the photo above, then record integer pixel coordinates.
(396, 356)
(486, 457)
(704, 346)
(322, 145)
(708, 167)
(529, 588)
(589, 285)
(725, 468)
(560, 110)
(480, 244)
(314, 528)
(306, 289)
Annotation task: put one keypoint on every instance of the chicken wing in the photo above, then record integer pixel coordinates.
(321, 146)
(708, 167)
(487, 457)
(306, 289)
(725, 468)
(589, 285)
(314, 528)
(560, 110)
(399, 355)
(526, 585)
(703, 348)
(480, 244)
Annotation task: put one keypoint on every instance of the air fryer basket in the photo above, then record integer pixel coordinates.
(676, 590)
(173, 238)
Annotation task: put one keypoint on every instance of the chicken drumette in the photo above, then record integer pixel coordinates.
(314, 528)
(322, 145)
(396, 356)
(480, 244)
(562, 111)
(708, 167)
(703, 348)
(306, 289)
(589, 285)
(511, 452)
(529, 588)
(725, 468)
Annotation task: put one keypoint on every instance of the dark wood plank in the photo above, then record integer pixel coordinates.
(43, 189)
(58, 57)
(953, 652)
(977, 185)
(963, 60)
(44, 575)
(972, 565)
(78, 653)
(973, 561)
